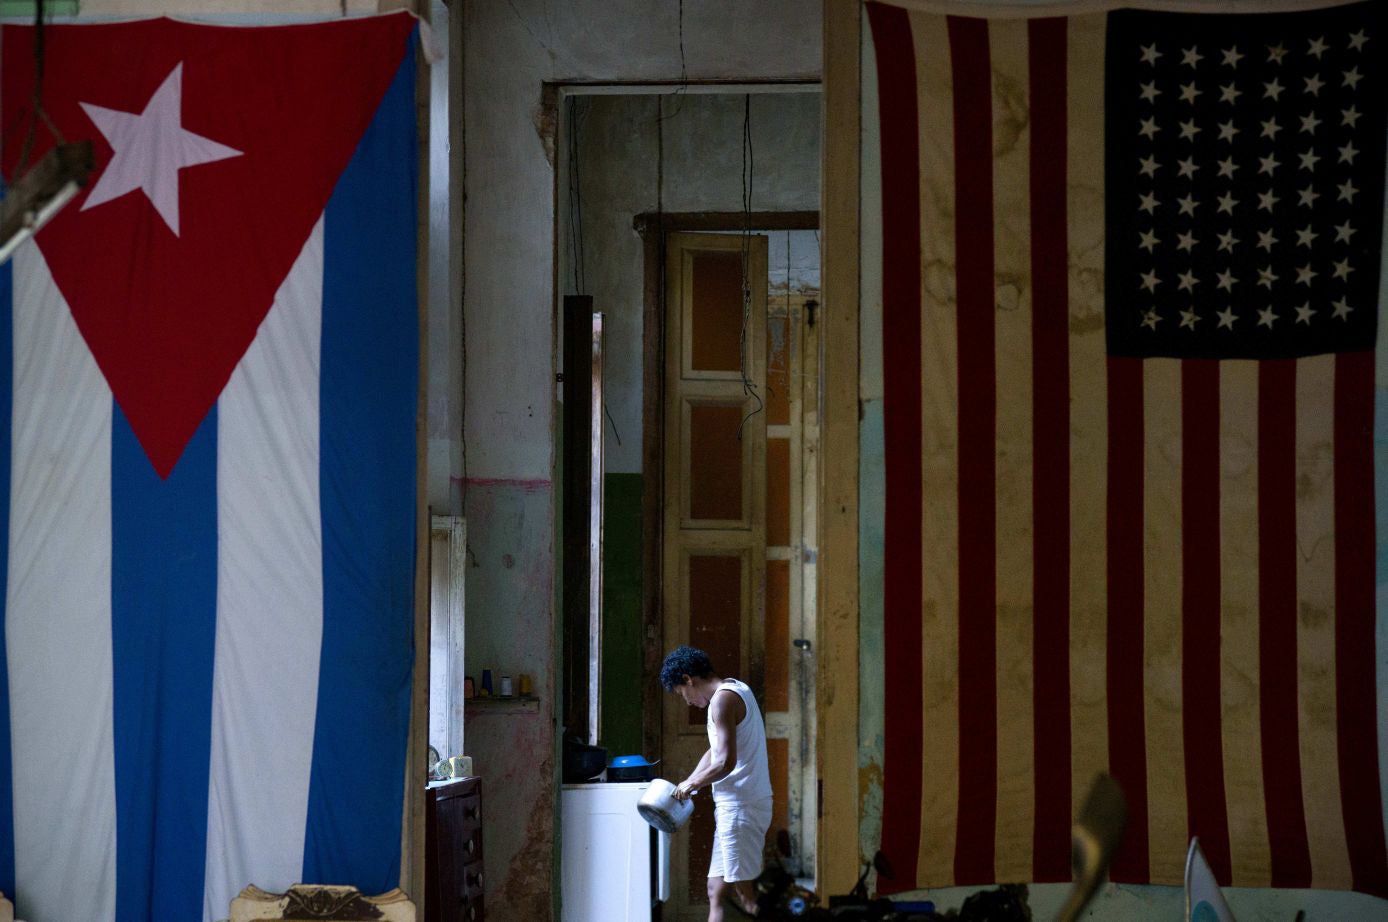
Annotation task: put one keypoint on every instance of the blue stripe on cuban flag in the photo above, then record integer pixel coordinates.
(207, 677)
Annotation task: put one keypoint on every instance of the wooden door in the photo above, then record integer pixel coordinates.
(714, 515)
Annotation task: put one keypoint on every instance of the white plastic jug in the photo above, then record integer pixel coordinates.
(659, 807)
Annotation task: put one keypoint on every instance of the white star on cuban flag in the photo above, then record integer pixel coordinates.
(150, 149)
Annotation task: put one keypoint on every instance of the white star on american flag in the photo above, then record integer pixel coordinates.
(1149, 128)
(1348, 153)
(1276, 53)
(1267, 165)
(1227, 166)
(1188, 92)
(1309, 122)
(1187, 205)
(1303, 313)
(1266, 277)
(1318, 47)
(1189, 130)
(1188, 281)
(1227, 241)
(1351, 78)
(1308, 196)
(1267, 199)
(1227, 318)
(1150, 281)
(1229, 93)
(1342, 309)
(1186, 241)
(1305, 236)
(1149, 240)
(1273, 89)
(1227, 131)
(1270, 128)
(1314, 84)
(1227, 203)
(1149, 203)
(1191, 56)
(1226, 281)
(1232, 56)
(1150, 54)
(1187, 167)
(1305, 274)
(1343, 269)
(1343, 232)
(1148, 166)
(1267, 317)
(1308, 160)
(1189, 319)
(1266, 240)
(1151, 319)
(1357, 40)
(1349, 116)
(1150, 92)
(1347, 191)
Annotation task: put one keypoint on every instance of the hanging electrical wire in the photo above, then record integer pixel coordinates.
(749, 387)
(37, 111)
(683, 88)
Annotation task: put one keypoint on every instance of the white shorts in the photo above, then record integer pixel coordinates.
(739, 837)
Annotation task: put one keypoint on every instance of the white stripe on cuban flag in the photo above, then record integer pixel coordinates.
(269, 597)
(209, 673)
(58, 610)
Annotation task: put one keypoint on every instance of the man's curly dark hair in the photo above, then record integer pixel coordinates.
(684, 661)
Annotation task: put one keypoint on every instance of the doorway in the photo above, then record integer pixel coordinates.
(643, 172)
(739, 386)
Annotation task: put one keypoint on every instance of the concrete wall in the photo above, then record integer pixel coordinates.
(511, 50)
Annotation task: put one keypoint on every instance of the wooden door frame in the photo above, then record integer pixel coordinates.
(653, 228)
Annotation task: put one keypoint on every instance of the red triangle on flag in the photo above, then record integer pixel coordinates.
(216, 151)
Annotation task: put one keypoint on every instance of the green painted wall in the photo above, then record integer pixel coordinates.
(621, 612)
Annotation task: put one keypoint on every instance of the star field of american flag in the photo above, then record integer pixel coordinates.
(1244, 182)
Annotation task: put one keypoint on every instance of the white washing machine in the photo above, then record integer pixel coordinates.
(615, 866)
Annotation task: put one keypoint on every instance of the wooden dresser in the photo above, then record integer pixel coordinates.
(453, 881)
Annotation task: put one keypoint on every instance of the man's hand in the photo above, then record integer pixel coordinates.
(684, 790)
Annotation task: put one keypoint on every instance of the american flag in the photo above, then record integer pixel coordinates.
(1130, 273)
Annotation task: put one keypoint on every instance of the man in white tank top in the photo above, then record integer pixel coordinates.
(735, 765)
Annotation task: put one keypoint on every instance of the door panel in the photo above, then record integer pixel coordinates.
(714, 532)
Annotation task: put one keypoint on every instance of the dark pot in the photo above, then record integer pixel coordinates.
(582, 762)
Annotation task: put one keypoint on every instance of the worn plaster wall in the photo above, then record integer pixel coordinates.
(1114, 901)
(511, 50)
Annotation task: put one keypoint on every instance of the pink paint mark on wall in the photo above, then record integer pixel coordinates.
(525, 486)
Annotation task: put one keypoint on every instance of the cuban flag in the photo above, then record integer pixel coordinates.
(208, 387)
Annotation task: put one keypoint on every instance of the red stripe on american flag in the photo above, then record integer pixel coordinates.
(1050, 449)
(1277, 659)
(1127, 721)
(973, 230)
(1355, 691)
(1207, 814)
(901, 423)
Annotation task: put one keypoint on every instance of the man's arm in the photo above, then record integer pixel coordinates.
(721, 758)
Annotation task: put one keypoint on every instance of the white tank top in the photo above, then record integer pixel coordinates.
(750, 780)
